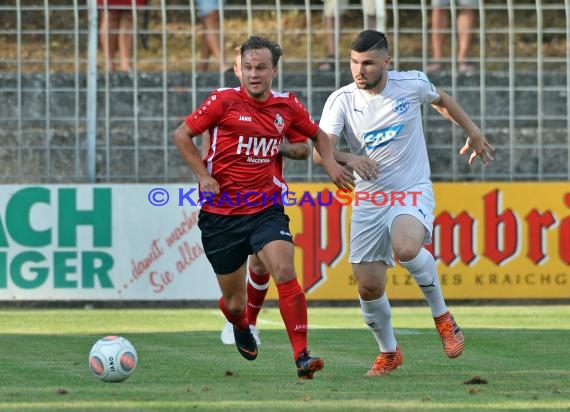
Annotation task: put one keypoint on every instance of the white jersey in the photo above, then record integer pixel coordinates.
(386, 128)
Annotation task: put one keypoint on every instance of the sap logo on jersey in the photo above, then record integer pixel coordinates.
(245, 119)
(382, 137)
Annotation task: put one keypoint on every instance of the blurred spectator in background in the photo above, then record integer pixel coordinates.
(369, 12)
(210, 14)
(465, 23)
(116, 32)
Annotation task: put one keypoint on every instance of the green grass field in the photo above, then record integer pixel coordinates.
(522, 352)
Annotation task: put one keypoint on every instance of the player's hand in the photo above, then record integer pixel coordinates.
(209, 184)
(342, 178)
(365, 168)
(481, 148)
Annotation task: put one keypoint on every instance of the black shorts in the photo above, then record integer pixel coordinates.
(229, 240)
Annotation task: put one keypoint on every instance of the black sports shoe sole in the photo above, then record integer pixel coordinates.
(314, 366)
(245, 343)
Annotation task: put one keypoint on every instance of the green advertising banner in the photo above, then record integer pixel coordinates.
(92, 242)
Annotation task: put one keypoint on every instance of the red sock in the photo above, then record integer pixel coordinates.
(257, 286)
(293, 308)
(238, 320)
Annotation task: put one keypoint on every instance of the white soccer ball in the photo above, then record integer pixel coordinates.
(113, 359)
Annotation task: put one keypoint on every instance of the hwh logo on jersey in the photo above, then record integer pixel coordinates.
(264, 146)
(379, 138)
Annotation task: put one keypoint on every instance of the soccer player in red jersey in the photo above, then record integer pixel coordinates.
(245, 215)
(258, 276)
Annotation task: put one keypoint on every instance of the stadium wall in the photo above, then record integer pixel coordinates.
(66, 120)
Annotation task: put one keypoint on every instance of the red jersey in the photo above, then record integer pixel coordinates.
(245, 135)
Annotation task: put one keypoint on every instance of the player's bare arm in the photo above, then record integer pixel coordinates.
(296, 151)
(341, 177)
(450, 109)
(183, 139)
(366, 168)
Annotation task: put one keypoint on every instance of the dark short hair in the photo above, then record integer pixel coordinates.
(369, 40)
(256, 43)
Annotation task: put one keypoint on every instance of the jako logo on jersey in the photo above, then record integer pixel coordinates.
(382, 137)
(264, 146)
(244, 119)
(279, 123)
(400, 106)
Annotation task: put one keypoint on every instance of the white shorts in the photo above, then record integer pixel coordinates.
(470, 4)
(206, 7)
(370, 228)
(368, 7)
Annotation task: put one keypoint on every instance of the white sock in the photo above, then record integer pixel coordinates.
(422, 268)
(378, 316)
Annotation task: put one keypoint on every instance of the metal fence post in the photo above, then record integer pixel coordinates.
(92, 91)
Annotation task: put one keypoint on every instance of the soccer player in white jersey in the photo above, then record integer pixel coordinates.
(380, 117)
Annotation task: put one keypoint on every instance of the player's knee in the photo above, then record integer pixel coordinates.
(283, 272)
(407, 252)
(370, 291)
(257, 267)
(235, 304)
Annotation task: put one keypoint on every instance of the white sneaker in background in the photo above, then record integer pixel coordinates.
(227, 335)
(255, 333)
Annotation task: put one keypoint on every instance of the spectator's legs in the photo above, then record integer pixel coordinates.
(126, 40)
(439, 21)
(108, 32)
(204, 55)
(211, 40)
(371, 21)
(329, 27)
(331, 49)
(465, 23)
